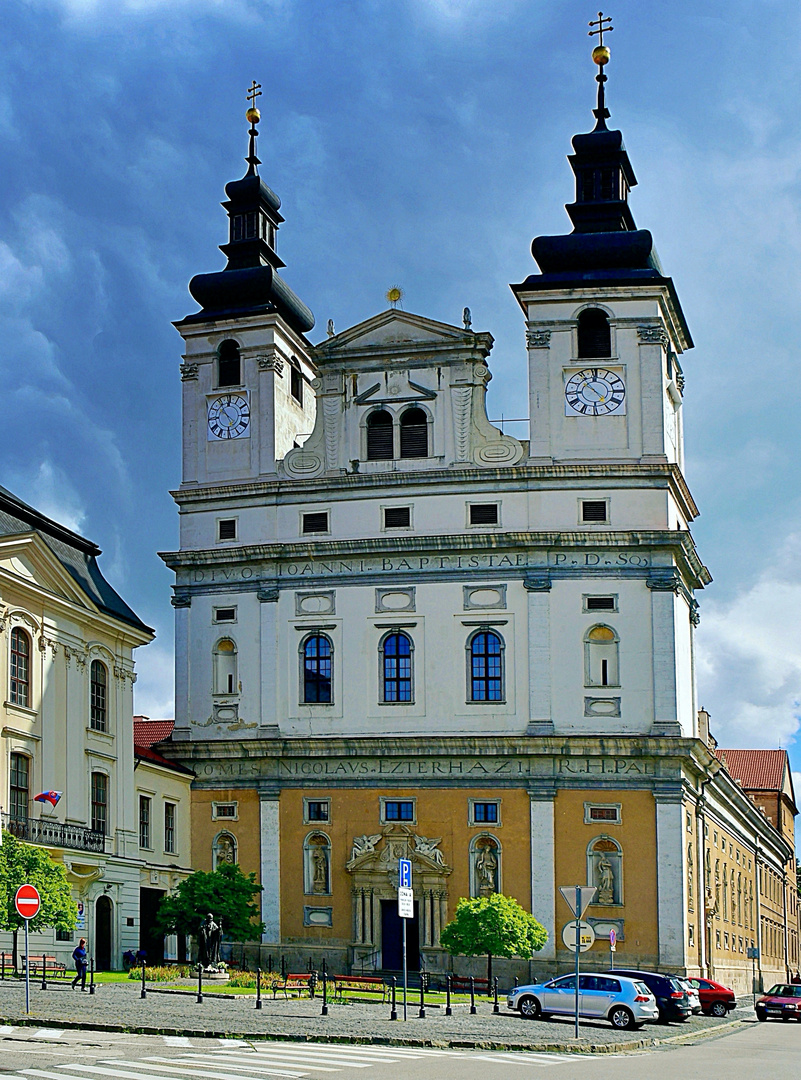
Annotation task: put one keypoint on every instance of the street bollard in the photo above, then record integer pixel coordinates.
(3, 968)
(258, 987)
(44, 972)
(393, 1015)
(91, 975)
(200, 984)
(283, 967)
(448, 1009)
(495, 1007)
(472, 996)
(143, 994)
(422, 1012)
(324, 1010)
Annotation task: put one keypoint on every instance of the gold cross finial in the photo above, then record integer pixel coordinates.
(603, 24)
(253, 92)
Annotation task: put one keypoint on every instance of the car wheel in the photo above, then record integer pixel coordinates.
(621, 1017)
(761, 1016)
(718, 1008)
(529, 1008)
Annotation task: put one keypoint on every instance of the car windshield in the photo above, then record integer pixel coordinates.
(781, 990)
(676, 984)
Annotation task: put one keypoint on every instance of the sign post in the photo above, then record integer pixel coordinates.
(578, 898)
(612, 947)
(27, 902)
(405, 911)
(753, 955)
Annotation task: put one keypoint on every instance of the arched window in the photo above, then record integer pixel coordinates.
(99, 802)
(605, 869)
(229, 364)
(486, 666)
(20, 788)
(594, 336)
(485, 865)
(396, 652)
(380, 434)
(317, 865)
(98, 681)
(316, 653)
(413, 434)
(223, 850)
(601, 657)
(225, 673)
(20, 691)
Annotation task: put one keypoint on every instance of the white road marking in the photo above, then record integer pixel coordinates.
(4, 1030)
(241, 1061)
(48, 1033)
(177, 1040)
(232, 1044)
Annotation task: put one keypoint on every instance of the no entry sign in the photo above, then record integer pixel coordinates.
(27, 901)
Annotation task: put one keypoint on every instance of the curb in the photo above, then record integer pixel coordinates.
(381, 1040)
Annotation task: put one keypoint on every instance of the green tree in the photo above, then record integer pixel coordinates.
(496, 925)
(21, 863)
(225, 892)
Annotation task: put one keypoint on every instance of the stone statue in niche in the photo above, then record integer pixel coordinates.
(226, 849)
(606, 881)
(319, 869)
(486, 866)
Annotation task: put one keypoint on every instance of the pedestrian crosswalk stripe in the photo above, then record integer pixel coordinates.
(139, 1070)
(48, 1033)
(7, 1030)
(271, 1066)
(232, 1044)
(177, 1040)
(241, 1061)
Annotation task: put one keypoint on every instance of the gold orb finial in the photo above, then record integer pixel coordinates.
(394, 295)
(600, 55)
(253, 115)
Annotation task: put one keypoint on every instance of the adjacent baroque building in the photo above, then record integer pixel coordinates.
(401, 632)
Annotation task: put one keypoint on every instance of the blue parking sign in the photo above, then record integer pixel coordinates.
(405, 873)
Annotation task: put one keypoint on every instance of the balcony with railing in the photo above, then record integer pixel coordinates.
(55, 834)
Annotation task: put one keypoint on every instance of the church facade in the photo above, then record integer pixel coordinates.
(401, 632)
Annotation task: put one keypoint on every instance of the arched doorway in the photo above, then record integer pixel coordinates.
(104, 910)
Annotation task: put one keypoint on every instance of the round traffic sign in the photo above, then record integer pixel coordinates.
(586, 936)
(27, 901)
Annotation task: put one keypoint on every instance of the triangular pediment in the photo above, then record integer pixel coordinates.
(395, 329)
(28, 558)
(379, 853)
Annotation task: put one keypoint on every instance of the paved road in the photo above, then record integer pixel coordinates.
(753, 1052)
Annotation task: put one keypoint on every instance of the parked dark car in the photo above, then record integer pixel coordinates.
(670, 996)
(781, 1002)
(716, 999)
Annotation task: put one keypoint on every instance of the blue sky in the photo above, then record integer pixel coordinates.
(423, 143)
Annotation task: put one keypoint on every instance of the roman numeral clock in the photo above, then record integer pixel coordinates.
(229, 416)
(595, 392)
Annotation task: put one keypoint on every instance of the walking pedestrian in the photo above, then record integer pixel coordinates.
(79, 956)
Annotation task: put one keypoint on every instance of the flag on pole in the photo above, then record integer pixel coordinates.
(49, 796)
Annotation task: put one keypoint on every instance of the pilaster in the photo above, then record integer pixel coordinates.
(538, 589)
(270, 837)
(543, 884)
(671, 912)
(268, 652)
(662, 589)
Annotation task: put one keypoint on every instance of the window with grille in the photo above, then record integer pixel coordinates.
(169, 827)
(20, 689)
(380, 435)
(609, 813)
(599, 603)
(397, 663)
(483, 513)
(225, 614)
(594, 510)
(224, 810)
(316, 522)
(397, 517)
(414, 434)
(99, 802)
(229, 364)
(19, 787)
(486, 667)
(226, 529)
(594, 335)
(144, 821)
(296, 382)
(98, 680)
(317, 670)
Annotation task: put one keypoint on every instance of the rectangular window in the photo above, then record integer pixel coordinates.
(169, 827)
(296, 382)
(483, 513)
(225, 614)
(397, 517)
(19, 691)
(226, 529)
(20, 787)
(316, 522)
(690, 934)
(144, 821)
(398, 811)
(607, 812)
(317, 810)
(485, 813)
(63, 935)
(600, 603)
(594, 510)
(224, 810)
(99, 802)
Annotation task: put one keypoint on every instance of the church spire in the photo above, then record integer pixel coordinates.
(600, 56)
(253, 116)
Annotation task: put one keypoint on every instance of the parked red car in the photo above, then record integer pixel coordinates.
(782, 1001)
(716, 999)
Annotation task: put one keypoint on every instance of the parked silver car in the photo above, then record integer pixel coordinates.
(625, 1003)
(692, 993)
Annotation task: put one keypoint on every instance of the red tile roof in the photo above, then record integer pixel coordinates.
(757, 770)
(145, 753)
(147, 731)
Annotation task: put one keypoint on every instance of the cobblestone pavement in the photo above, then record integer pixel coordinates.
(120, 1005)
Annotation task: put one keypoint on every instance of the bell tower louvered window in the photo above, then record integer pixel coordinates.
(414, 434)
(379, 436)
(594, 336)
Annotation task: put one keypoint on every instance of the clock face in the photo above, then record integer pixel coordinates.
(594, 392)
(228, 416)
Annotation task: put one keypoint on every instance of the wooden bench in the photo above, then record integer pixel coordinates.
(460, 984)
(359, 984)
(47, 967)
(300, 981)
